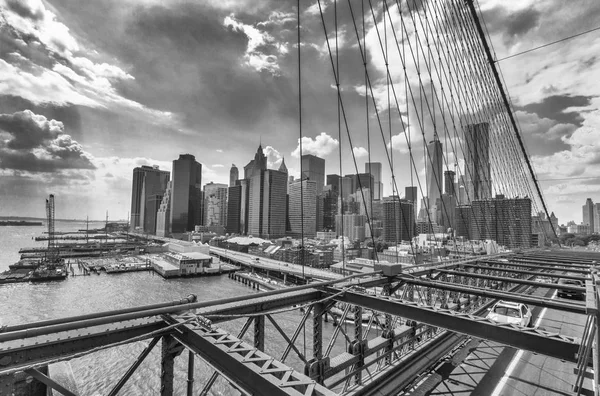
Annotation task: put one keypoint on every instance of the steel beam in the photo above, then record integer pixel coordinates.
(49, 382)
(259, 332)
(537, 341)
(171, 348)
(252, 370)
(134, 367)
(514, 280)
(190, 379)
(543, 261)
(525, 272)
(38, 351)
(539, 267)
(507, 296)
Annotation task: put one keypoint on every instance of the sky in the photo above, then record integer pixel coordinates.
(91, 89)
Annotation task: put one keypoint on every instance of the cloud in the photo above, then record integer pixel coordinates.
(360, 152)
(219, 150)
(321, 146)
(218, 166)
(34, 143)
(274, 157)
(262, 49)
(46, 64)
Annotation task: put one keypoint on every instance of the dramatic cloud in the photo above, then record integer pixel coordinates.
(261, 53)
(321, 146)
(30, 142)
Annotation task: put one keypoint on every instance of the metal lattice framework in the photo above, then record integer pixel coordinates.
(403, 324)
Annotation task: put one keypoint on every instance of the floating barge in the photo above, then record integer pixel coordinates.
(40, 271)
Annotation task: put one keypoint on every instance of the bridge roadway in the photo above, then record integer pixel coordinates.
(491, 368)
(253, 261)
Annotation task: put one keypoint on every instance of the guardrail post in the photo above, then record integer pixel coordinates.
(388, 331)
(170, 349)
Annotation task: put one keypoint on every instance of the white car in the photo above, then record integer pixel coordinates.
(510, 312)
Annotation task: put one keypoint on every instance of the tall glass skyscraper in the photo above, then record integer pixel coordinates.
(313, 167)
(186, 199)
(477, 161)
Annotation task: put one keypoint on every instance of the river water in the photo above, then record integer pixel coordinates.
(97, 373)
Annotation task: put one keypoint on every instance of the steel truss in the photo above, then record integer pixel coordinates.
(408, 319)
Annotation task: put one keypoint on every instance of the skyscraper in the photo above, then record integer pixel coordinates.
(410, 194)
(163, 216)
(303, 201)
(449, 182)
(398, 220)
(477, 162)
(234, 202)
(234, 174)
(186, 205)
(313, 168)
(506, 221)
(215, 202)
(148, 187)
(588, 213)
(374, 168)
(434, 175)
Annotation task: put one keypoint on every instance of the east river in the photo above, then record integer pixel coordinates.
(97, 373)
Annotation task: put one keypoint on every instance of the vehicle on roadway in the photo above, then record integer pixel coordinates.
(578, 294)
(511, 313)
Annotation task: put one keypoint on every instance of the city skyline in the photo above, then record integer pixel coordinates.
(111, 109)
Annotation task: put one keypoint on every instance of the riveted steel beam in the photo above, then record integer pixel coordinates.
(538, 341)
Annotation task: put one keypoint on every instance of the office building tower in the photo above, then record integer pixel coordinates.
(478, 178)
(234, 175)
(462, 219)
(449, 185)
(360, 180)
(215, 201)
(234, 204)
(163, 216)
(330, 207)
(313, 168)
(410, 194)
(148, 187)
(274, 202)
(588, 213)
(596, 217)
(259, 163)
(374, 168)
(186, 198)
(398, 220)
(506, 221)
(446, 212)
(303, 201)
(353, 226)
(244, 204)
(434, 175)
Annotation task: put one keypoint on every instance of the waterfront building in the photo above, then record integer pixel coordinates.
(186, 196)
(313, 168)
(477, 162)
(374, 169)
(148, 186)
(303, 200)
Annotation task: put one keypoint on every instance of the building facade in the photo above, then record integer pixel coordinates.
(303, 208)
(374, 169)
(398, 220)
(186, 194)
(149, 185)
(313, 168)
(478, 176)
